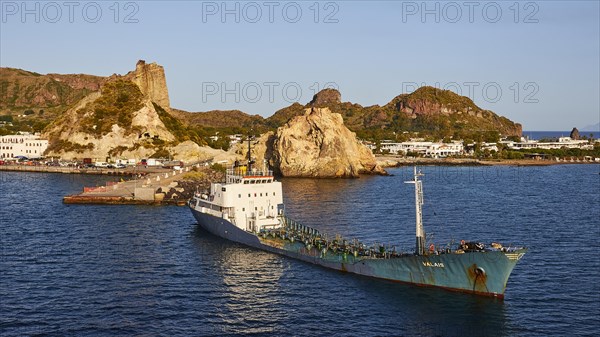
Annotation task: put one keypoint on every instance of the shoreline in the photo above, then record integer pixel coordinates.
(396, 161)
(74, 170)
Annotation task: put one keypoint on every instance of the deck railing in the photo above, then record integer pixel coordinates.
(235, 175)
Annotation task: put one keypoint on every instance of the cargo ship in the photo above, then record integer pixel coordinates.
(248, 208)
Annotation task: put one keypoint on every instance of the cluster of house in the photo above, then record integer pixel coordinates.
(31, 146)
(458, 148)
(237, 138)
(22, 145)
(563, 142)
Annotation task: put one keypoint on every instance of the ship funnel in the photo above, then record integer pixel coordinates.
(420, 233)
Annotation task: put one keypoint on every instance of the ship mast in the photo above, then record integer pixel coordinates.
(420, 233)
(250, 162)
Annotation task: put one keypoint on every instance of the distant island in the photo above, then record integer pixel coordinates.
(592, 128)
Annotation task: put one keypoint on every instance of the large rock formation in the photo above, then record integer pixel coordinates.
(317, 144)
(126, 118)
(151, 80)
(574, 134)
(117, 121)
(325, 97)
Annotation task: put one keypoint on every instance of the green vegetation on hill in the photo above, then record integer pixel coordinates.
(119, 100)
(221, 119)
(433, 95)
(22, 91)
(67, 146)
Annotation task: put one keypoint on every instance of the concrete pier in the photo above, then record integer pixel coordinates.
(142, 191)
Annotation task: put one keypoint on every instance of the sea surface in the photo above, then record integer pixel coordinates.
(84, 270)
(537, 135)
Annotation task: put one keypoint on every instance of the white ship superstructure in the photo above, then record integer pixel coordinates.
(250, 199)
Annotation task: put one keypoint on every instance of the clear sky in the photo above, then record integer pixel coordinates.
(534, 62)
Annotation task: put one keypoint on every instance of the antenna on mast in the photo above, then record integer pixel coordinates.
(420, 233)
(250, 162)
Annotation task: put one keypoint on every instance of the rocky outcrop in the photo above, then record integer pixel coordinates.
(325, 97)
(317, 144)
(126, 118)
(151, 80)
(73, 135)
(575, 134)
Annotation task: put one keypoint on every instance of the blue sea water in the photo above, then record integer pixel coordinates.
(537, 135)
(140, 270)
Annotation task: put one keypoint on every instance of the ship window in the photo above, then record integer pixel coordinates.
(249, 195)
(255, 208)
(273, 193)
(223, 189)
(255, 195)
(239, 195)
(245, 181)
(261, 194)
(243, 209)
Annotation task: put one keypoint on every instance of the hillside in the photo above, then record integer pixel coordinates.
(21, 90)
(124, 119)
(428, 111)
(33, 100)
(219, 119)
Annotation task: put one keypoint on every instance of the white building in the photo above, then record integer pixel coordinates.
(234, 139)
(437, 150)
(430, 149)
(566, 142)
(26, 145)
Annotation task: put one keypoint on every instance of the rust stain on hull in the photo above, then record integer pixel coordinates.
(478, 277)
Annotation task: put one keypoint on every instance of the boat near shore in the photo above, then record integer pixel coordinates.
(248, 208)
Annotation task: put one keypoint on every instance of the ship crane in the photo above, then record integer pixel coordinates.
(420, 233)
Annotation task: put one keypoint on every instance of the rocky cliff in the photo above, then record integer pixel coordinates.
(317, 144)
(151, 80)
(117, 120)
(124, 119)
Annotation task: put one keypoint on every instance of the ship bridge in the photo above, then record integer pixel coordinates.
(252, 200)
(240, 175)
